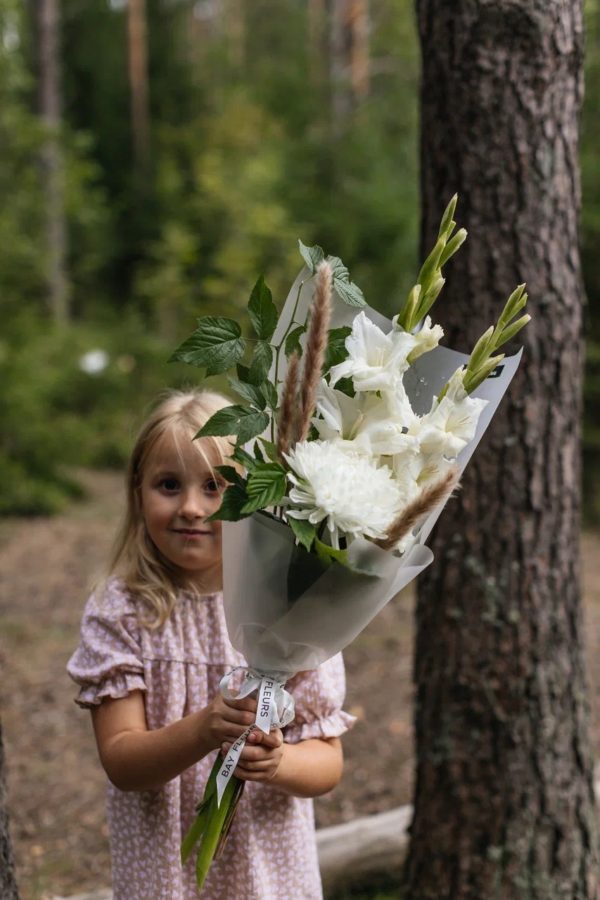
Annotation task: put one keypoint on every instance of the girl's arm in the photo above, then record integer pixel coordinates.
(138, 759)
(310, 768)
(307, 769)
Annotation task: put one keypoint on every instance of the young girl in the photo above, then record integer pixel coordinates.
(153, 649)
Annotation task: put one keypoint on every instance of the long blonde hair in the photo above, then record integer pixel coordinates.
(135, 558)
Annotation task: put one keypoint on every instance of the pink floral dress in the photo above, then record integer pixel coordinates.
(271, 850)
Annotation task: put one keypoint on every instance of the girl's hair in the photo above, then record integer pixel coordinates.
(135, 558)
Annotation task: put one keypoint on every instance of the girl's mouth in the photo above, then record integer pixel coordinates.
(190, 532)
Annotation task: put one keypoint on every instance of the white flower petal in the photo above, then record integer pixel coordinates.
(347, 490)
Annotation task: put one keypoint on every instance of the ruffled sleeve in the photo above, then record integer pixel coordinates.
(108, 660)
(319, 695)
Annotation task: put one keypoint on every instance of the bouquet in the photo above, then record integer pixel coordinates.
(351, 434)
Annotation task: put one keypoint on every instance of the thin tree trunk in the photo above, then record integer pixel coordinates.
(358, 16)
(349, 57)
(504, 804)
(8, 884)
(138, 80)
(52, 161)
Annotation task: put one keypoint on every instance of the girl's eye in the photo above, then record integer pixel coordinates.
(213, 486)
(169, 484)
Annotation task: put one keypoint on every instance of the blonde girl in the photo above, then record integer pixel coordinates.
(153, 649)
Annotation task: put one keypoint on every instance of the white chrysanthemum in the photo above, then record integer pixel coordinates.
(346, 489)
(376, 360)
(452, 421)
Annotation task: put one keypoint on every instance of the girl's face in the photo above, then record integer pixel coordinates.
(178, 493)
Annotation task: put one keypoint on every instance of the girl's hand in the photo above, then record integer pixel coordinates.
(261, 757)
(223, 721)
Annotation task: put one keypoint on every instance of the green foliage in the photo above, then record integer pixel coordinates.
(57, 416)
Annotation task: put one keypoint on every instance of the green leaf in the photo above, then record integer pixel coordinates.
(258, 452)
(240, 455)
(269, 392)
(243, 372)
(231, 475)
(292, 341)
(248, 391)
(312, 256)
(232, 505)
(216, 345)
(339, 272)
(336, 347)
(304, 531)
(350, 293)
(270, 449)
(262, 310)
(328, 554)
(346, 290)
(242, 421)
(266, 486)
(261, 363)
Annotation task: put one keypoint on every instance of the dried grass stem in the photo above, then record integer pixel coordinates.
(286, 426)
(316, 345)
(429, 498)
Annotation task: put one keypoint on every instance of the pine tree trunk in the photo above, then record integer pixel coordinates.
(504, 804)
(52, 161)
(8, 885)
(138, 80)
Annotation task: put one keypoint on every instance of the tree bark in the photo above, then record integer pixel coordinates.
(52, 161)
(504, 804)
(137, 40)
(8, 884)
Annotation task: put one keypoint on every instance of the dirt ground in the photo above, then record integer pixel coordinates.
(56, 787)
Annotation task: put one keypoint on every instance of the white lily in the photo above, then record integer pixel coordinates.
(346, 489)
(376, 360)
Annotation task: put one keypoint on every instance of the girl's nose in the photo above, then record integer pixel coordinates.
(192, 505)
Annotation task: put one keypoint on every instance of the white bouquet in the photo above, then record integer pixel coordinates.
(351, 436)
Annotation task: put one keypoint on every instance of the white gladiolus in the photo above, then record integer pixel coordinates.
(376, 360)
(451, 423)
(366, 423)
(426, 339)
(347, 490)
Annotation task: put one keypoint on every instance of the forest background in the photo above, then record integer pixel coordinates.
(157, 157)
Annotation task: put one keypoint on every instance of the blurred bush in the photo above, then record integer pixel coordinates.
(76, 394)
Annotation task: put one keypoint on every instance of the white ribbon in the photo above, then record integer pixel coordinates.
(275, 709)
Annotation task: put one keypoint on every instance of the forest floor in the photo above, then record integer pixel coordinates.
(56, 787)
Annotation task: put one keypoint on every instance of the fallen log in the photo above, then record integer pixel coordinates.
(366, 846)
